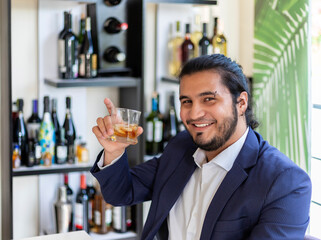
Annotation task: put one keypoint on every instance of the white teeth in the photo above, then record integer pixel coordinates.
(201, 125)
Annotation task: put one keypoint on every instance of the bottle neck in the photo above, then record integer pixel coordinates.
(154, 105)
(35, 107)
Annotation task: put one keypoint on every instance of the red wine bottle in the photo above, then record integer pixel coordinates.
(70, 199)
(114, 55)
(81, 206)
(112, 25)
(205, 46)
(67, 51)
(187, 46)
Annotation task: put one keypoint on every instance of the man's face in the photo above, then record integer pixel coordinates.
(207, 110)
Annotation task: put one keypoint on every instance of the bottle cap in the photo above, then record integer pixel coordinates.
(83, 181)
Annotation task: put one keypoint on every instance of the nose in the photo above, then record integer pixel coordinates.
(196, 112)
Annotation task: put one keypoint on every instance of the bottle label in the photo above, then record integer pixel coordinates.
(149, 131)
(108, 214)
(38, 151)
(62, 152)
(79, 209)
(97, 218)
(158, 131)
(61, 56)
(82, 68)
(117, 218)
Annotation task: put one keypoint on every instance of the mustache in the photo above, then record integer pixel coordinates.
(203, 120)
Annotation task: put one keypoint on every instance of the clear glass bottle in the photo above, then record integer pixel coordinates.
(174, 52)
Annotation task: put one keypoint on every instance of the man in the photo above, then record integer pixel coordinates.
(217, 180)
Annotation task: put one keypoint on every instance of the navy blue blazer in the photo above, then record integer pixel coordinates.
(264, 196)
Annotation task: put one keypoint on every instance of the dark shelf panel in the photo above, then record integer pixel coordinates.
(94, 82)
(39, 170)
(170, 79)
(213, 2)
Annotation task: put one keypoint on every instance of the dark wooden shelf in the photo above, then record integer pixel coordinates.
(94, 82)
(56, 168)
(208, 2)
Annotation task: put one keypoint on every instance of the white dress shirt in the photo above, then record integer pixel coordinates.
(185, 219)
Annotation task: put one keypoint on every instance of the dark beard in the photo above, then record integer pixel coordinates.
(227, 128)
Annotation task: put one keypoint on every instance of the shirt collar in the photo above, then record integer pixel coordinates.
(226, 158)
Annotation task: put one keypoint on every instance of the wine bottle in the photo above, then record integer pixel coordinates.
(67, 50)
(196, 35)
(174, 51)
(113, 25)
(91, 191)
(112, 2)
(119, 219)
(205, 46)
(214, 29)
(70, 132)
(33, 126)
(187, 46)
(54, 118)
(47, 137)
(219, 40)
(70, 198)
(82, 29)
(16, 156)
(81, 206)
(61, 152)
(171, 123)
(114, 55)
(85, 53)
(21, 135)
(154, 129)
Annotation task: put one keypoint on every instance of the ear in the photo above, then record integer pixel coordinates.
(242, 103)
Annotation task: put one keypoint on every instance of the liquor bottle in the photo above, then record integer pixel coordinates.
(154, 129)
(114, 55)
(85, 53)
(70, 198)
(171, 124)
(187, 46)
(102, 213)
(91, 191)
(112, 2)
(47, 137)
(61, 150)
(174, 51)
(113, 25)
(82, 29)
(16, 156)
(205, 46)
(119, 219)
(70, 132)
(219, 41)
(81, 206)
(63, 211)
(21, 135)
(33, 126)
(196, 35)
(67, 50)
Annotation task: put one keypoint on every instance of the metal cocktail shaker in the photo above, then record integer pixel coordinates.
(63, 210)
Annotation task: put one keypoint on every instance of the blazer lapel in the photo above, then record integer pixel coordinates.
(233, 179)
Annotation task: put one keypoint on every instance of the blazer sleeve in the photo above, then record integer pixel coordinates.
(121, 185)
(285, 214)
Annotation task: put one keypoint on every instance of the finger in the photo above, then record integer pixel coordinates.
(140, 130)
(110, 106)
(101, 126)
(97, 132)
(108, 125)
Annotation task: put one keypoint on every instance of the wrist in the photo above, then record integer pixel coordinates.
(111, 156)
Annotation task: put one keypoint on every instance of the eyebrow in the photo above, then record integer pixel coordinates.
(215, 93)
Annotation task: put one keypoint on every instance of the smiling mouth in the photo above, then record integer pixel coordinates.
(202, 125)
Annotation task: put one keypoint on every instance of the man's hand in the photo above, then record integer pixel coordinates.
(104, 130)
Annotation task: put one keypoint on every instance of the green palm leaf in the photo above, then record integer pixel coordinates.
(280, 86)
